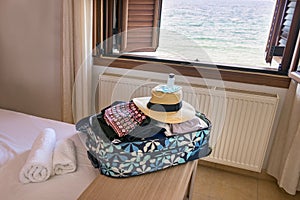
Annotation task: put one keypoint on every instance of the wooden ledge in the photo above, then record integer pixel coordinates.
(174, 183)
(241, 76)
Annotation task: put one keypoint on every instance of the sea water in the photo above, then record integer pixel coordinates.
(229, 32)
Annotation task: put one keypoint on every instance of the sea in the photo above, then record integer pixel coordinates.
(228, 32)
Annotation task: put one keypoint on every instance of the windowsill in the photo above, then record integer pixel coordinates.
(146, 58)
(225, 73)
(295, 76)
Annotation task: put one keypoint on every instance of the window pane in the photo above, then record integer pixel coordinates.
(229, 31)
(226, 32)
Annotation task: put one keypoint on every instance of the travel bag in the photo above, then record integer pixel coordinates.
(142, 155)
(146, 134)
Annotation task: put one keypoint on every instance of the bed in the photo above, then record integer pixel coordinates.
(17, 134)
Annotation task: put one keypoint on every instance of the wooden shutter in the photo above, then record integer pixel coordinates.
(283, 32)
(140, 25)
(97, 25)
(286, 23)
(274, 30)
(289, 33)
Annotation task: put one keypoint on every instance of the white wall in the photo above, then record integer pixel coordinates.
(30, 57)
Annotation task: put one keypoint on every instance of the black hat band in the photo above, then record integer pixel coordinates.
(164, 107)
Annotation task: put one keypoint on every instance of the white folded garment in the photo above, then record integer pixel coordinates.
(194, 124)
(64, 157)
(38, 166)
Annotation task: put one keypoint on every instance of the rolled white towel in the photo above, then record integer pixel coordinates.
(64, 157)
(38, 166)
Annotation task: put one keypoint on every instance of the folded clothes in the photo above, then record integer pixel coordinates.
(124, 117)
(194, 124)
(38, 166)
(124, 122)
(165, 126)
(145, 130)
(64, 157)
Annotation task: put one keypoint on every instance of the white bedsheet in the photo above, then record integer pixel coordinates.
(17, 133)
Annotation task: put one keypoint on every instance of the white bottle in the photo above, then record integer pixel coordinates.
(171, 81)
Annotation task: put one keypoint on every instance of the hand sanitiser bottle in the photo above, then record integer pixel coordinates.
(171, 81)
(170, 86)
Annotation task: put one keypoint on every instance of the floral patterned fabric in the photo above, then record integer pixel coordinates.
(124, 117)
(139, 157)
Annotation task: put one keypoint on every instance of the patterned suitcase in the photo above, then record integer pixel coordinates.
(138, 156)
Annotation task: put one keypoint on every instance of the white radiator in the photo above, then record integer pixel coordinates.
(242, 120)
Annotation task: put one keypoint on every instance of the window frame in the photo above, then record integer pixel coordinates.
(294, 72)
(250, 75)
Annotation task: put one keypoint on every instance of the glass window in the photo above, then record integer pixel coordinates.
(244, 34)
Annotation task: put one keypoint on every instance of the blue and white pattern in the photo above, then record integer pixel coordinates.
(139, 157)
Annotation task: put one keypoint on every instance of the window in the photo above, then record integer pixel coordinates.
(119, 19)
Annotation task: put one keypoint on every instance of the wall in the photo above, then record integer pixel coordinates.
(30, 57)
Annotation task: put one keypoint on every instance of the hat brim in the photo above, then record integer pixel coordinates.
(187, 112)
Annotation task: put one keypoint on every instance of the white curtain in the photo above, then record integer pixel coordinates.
(76, 59)
(284, 161)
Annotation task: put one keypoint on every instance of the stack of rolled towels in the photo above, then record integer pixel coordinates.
(48, 158)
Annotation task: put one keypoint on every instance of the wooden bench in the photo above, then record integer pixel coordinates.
(172, 183)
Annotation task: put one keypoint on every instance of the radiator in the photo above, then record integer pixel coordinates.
(242, 120)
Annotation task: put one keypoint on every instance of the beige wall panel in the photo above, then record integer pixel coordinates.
(30, 57)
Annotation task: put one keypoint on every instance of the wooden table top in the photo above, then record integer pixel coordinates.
(171, 183)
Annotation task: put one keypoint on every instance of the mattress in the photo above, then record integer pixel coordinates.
(17, 133)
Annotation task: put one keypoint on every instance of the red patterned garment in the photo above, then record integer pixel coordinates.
(124, 117)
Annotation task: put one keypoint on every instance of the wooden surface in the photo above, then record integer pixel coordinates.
(172, 183)
(199, 71)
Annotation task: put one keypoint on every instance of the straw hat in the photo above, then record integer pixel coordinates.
(166, 105)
